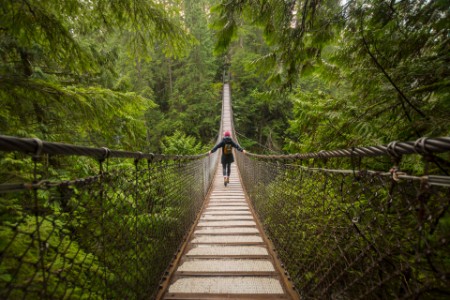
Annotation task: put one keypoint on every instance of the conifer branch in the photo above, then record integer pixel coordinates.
(391, 81)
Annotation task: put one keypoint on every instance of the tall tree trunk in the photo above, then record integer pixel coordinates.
(169, 64)
(139, 69)
(26, 64)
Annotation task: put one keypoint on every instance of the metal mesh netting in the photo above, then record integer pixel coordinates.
(110, 232)
(354, 234)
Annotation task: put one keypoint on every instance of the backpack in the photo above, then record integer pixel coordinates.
(227, 148)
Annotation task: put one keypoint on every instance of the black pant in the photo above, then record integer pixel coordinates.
(226, 169)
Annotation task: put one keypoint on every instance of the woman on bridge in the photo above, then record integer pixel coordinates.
(227, 144)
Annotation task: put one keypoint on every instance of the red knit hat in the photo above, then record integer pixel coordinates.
(227, 133)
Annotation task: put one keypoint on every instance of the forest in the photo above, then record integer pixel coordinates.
(146, 75)
(135, 75)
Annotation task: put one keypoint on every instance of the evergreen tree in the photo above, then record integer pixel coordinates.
(361, 72)
(58, 77)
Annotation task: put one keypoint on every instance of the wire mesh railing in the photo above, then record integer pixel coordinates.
(345, 231)
(93, 223)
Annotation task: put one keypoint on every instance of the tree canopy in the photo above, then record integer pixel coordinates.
(65, 67)
(358, 72)
(306, 75)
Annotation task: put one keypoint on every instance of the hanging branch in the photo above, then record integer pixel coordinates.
(402, 95)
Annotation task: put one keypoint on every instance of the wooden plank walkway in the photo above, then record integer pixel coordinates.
(227, 255)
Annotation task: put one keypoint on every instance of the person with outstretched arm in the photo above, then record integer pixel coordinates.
(227, 159)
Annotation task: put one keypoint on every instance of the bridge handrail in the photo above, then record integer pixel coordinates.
(37, 146)
(422, 146)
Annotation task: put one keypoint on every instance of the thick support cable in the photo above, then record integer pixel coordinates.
(25, 145)
(421, 146)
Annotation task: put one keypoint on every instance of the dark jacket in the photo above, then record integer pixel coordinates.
(227, 158)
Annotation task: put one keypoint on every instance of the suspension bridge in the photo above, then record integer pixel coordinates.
(227, 253)
(97, 223)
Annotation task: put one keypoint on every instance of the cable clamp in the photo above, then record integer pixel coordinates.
(395, 171)
(392, 151)
(420, 146)
(106, 155)
(137, 159)
(40, 146)
(322, 154)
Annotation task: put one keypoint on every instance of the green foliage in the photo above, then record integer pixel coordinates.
(294, 30)
(61, 68)
(358, 73)
(92, 73)
(62, 257)
(194, 102)
(323, 120)
(180, 144)
(392, 58)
